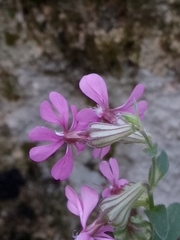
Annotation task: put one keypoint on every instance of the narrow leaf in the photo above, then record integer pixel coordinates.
(162, 164)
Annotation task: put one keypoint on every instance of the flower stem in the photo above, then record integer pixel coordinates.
(152, 172)
(146, 137)
(151, 200)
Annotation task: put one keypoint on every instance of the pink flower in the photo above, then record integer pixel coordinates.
(100, 152)
(82, 206)
(62, 168)
(94, 87)
(111, 172)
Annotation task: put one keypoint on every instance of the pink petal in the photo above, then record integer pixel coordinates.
(104, 151)
(100, 151)
(136, 93)
(96, 152)
(80, 146)
(40, 153)
(82, 126)
(84, 236)
(61, 105)
(106, 171)
(101, 235)
(87, 115)
(41, 133)
(76, 125)
(48, 114)
(114, 168)
(106, 192)
(94, 87)
(74, 201)
(106, 228)
(74, 113)
(63, 168)
(89, 199)
(122, 182)
(142, 106)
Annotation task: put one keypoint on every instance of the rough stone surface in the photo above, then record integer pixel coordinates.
(50, 46)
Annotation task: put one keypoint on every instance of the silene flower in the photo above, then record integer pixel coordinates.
(102, 135)
(116, 208)
(59, 115)
(111, 171)
(94, 87)
(82, 206)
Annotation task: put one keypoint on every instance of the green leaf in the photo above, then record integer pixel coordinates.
(159, 220)
(162, 166)
(152, 152)
(173, 212)
(156, 237)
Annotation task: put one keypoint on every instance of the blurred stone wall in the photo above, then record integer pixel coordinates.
(49, 45)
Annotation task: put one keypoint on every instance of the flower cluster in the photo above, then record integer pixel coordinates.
(111, 172)
(97, 127)
(112, 203)
(82, 207)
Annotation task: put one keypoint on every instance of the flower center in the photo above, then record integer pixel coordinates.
(99, 111)
(115, 190)
(73, 136)
(106, 115)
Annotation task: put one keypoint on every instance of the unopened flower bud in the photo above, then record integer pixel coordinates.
(116, 208)
(104, 134)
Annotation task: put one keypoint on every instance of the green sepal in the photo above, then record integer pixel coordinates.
(159, 219)
(131, 118)
(136, 229)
